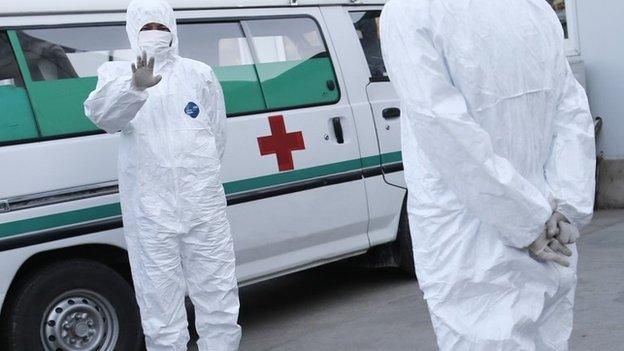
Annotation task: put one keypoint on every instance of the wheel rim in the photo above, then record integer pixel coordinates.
(80, 320)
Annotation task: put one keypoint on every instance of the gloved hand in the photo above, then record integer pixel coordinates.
(143, 73)
(559, 227)
(549, 249)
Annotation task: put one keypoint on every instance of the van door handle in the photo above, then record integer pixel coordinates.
(391, 112)
(338, 130)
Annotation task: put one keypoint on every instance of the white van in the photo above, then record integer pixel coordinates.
(306, 77)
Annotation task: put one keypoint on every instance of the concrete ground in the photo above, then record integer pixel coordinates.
(342, 308)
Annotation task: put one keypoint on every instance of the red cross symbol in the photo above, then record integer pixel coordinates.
(280, 143)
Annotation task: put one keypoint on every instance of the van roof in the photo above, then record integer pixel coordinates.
(77, 6)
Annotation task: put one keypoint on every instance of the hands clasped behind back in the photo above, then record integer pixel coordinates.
(560, 228)
(143, 73)
(547, 249)
(551, 243)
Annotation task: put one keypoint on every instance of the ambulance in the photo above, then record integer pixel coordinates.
(312, 171)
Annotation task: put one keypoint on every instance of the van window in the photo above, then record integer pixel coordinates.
(63, 65)
(224, 47)
(60, 53)
(17, 121)
(288, 66)
(292, 62)
(560, 9)
(367, 27)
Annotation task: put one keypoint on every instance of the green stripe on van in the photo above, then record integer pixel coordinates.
(292, 176)
(308, 173)
(371, 161)
(111, 210)
(392, 157)
(59, 219)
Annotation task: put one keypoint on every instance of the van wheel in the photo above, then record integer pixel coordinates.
(404, 242)
(74, 305)
(398, 253)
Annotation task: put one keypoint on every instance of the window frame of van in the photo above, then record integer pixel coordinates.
(239, 19)
(26, 84)
(196, 20)
(366, 9)
(571, 43)
(36, 123)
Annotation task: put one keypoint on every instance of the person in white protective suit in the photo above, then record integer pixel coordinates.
(174, 209)
(497, 140)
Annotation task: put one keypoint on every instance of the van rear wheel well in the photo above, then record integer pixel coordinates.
(398, 253)
(92, 302)
(113, 257)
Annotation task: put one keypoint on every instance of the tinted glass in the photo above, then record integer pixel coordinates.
(367, 27)
(63, 65)
(289, 66)
(223, 46)
(292, 62)
(60, 53)
(560, 8)
(17, 121)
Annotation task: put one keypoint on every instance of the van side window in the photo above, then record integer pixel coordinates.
(17, 122)
(292, 62)
(60, 53)
(62, 64)
(263, 65)
(288, 65)
(224, 47)
(367, 27)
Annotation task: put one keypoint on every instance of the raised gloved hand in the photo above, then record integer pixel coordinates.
(559, 227)
(545, 248)
(143, 73)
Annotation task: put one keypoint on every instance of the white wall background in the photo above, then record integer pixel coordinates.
(601, 39)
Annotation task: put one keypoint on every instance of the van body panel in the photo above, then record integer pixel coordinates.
(385, 198)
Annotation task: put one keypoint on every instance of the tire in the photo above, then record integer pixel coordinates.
(398, 253)
(404, 241)
(79, 301)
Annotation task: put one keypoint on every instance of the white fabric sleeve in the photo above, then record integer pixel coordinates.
(213, 94)
(459, 148)
(571, 167)
(114, 102)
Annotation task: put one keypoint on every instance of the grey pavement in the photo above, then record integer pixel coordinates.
(338, 307)
(599, 307)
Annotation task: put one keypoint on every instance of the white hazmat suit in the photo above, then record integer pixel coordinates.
(173, 204)
(495, 131)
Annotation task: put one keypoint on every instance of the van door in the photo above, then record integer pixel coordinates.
(384, 101)
(380, 146)
(292, 166)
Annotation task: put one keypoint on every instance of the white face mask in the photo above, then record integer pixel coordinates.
(155, 42)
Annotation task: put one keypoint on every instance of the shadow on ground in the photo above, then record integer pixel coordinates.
(342, 308)
(335, 307)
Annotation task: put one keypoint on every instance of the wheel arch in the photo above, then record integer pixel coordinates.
(388, 254)
(112, 256)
